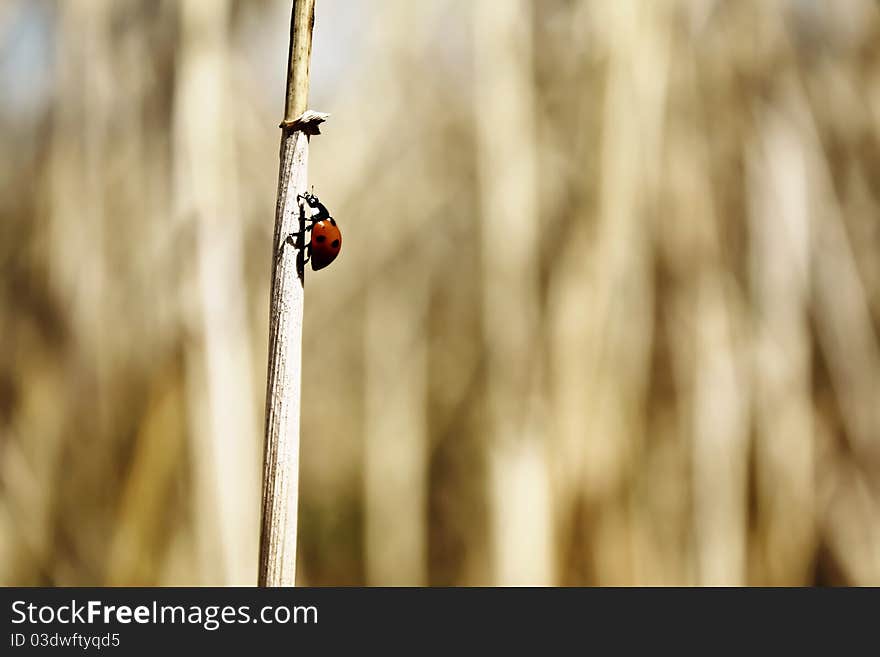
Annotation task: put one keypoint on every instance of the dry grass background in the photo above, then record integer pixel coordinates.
(607, 311)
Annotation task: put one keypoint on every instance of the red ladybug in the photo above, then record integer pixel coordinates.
(326, 239)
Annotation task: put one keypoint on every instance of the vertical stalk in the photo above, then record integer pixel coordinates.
(281, 462)
(218, 367)
(519, 490)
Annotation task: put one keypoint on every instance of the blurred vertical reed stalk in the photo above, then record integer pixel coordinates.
(75, 198)
(219, 377)
(396, 354)
(519, 492)
(281, 462)
(621, 301)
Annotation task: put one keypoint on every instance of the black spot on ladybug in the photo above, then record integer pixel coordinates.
(321, 239)
(334, 244)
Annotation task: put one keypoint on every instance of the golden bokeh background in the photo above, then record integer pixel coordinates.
(607, 312)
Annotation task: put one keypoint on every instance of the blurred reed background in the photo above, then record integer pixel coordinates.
(607, 311)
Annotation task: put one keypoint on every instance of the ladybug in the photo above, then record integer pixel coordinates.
(326, 239)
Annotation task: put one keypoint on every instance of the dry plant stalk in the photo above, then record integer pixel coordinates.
(519, 490)
(223, 415)
(281, 461)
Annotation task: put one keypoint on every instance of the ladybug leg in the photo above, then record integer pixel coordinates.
(306, 250)
(296, 240)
